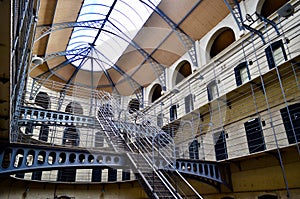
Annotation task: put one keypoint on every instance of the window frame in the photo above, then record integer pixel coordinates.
(270, 53)
(256, 134)
(173, 112)
(209, 90)
(189, 103)
(194, 149)
(160, 119)
(291, 122)
(220, 136)
(238, 76)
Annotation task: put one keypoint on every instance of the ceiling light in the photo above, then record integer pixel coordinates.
(37, 60)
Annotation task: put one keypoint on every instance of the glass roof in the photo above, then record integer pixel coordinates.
(112, 25)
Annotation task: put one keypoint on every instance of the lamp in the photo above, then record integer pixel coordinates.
(200, 77)
(286, 10)
(175, 90)
(37, 60)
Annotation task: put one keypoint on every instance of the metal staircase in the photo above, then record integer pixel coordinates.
(149, 149)
(235, 9)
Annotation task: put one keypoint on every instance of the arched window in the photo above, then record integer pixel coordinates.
(194, 149)
(71, 136)
(42, 99)
(74, 107)
(270, 6)
(156, 92)
(182, 71)
(133, 106)
(71, 133)
(222, 39)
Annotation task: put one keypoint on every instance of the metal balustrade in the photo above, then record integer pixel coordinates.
(38, 116)
(144, 149)
(22, 158)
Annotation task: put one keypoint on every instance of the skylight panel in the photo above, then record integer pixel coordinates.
(113, 25)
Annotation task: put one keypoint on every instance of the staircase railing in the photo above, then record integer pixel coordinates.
(154, 182)
(151, 148)
(163, 145)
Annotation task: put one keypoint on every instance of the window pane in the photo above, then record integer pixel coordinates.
(278, 56)
(214, 91)
(244, 74)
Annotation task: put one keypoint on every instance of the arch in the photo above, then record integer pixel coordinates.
(133, 105)
(155, 92)
(63, 197)
(71, 136)
(42, 99)
(74, 107)
(220, 40)
(267, 196)
(182, 71)
(267, 7)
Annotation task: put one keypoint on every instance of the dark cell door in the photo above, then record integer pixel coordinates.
(220, 146)
(112, 175)
(254, 135)
(291, 121)
(96, 175)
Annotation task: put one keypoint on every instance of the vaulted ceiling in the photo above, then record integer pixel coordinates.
(143, 54)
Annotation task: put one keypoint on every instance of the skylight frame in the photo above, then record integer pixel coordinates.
(112, 26)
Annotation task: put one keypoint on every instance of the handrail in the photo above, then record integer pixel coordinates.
(147, 139)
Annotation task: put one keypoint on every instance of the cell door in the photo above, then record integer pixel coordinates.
(254, 135)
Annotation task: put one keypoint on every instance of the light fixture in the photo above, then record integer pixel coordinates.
(200, 77)
(175, 90)
(37, 60)
(286, 10)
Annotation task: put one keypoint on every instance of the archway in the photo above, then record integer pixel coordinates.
(267, 196)
(182, 71)
(221, 40)
(42, 99)
(74, 107)
(268, 7)
(155, 92)
(133, 106)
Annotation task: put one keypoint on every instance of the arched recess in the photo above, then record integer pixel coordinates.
(71, 136)
(267, 196)
(74, 107)
(220, 40)
(268, 7)
(155, 93)
(71, 133)
(133, 105)
(42, 99)
(182, 71)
